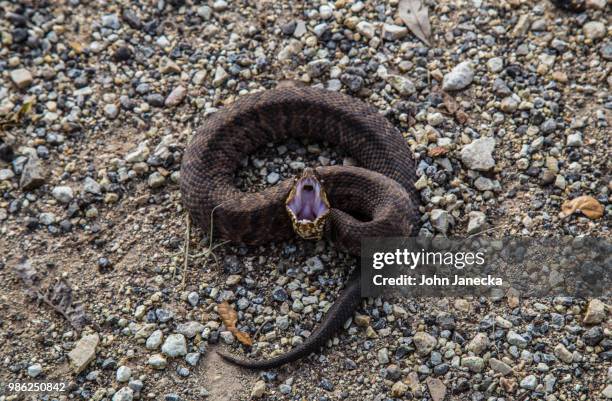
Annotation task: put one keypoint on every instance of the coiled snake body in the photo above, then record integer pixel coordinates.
(373, 200)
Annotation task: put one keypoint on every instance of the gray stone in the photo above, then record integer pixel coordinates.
(529, 383)
(273, 178)
(124, 394)
(21, 77)
(62, 194)
(440, 220)
(496, 64)
(91, 186)
(485, 184)
(477, 222)
(607, 392)
(514, 338)
(157, 361)
(594, 30)
(111, 21)
(478, 154)
(510, 104)
(473, 363)
(459, 77)
(35, 370)
(227, 337)
(549, 383)
(563, 353)
(316, 68)
(156, 180)
(47, 218)
(123, 374)
(402, 85)
(500, 367)
(192, 358)
(220, 5)
(155, 340)
(366, 29)
(111, 111)
(205, 12)
(32, 175)
(220, 77)
(175, 345)
(6, 174)
(574, 140)
(190, 329)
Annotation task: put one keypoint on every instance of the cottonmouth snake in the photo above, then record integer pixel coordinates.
(373, 200)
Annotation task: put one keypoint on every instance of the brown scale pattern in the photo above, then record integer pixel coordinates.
(373, 200)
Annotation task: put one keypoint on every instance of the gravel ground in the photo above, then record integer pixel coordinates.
(508, 116)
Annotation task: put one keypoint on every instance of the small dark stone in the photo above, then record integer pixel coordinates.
(326, 385)
(132, 19)
(441, 369)
(593, 336)
(155, 100)
(6, 153)
(570, 5)
(289, 28)
(109, 364)
(353, 82)
(20, 35)
(172, 397)
(280, 294)
(123, 54)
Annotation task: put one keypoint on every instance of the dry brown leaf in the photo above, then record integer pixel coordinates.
(230, 317)
(588, 205)
(437, 151)
(416, 17)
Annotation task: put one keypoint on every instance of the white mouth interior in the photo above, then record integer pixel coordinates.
(307, 204)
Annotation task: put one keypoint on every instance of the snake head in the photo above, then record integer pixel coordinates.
(308, 206)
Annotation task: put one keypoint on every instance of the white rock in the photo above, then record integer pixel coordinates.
(157, 361)
(477, 222)
(124, 394)
(366, 29)
(84, 352)
(440, 220)
(392, 32)
(35, 370)
(63, 194)
(139, 154)
(90, 185)
(111, 111)
(477, 155)
(594, 30)
(459, 77)
(496, 64)
(21, 77)
(123, 374)
(175, 345)
(154, 340)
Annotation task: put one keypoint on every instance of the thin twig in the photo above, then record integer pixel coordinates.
(186, 253)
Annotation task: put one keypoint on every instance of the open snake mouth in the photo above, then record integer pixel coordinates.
(307, 206)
